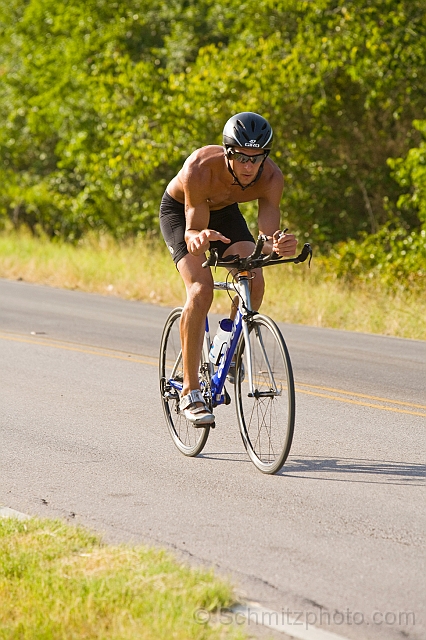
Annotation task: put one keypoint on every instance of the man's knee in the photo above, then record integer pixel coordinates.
(257, 291)
(258, 284)
(200, 294)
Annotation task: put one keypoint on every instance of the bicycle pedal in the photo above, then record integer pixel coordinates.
(170, 395)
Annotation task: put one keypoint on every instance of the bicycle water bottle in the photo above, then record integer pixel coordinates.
(221, 339)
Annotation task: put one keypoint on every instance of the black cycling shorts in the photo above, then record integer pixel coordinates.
(229, 221)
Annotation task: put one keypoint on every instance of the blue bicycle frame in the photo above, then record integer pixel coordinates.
(218, 378)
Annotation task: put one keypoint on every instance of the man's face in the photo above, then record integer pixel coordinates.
(245, 169)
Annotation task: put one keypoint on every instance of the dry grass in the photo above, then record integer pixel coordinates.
(143, 270)
(140, 271)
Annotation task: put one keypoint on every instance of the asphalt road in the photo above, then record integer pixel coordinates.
(335, 541)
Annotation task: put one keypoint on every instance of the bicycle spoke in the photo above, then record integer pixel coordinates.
(188, 439)
(266, 412)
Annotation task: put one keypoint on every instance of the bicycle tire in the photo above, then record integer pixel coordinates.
(188, 439)
(266, 420)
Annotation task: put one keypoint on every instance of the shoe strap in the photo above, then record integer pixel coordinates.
(192, 398)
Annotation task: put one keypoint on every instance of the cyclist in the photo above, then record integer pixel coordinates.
(199, 210)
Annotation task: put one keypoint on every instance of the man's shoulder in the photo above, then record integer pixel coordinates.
(275, 170)
(202, 162)
(272, 174)
(207, 154)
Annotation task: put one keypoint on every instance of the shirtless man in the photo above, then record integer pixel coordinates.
(200, 210)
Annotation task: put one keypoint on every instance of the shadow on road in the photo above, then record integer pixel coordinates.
(356, 470)
(340, 469)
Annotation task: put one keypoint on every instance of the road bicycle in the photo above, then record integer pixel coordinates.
(263, 380)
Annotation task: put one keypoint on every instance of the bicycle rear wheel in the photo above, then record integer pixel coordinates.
(187, 438)
(265, 417)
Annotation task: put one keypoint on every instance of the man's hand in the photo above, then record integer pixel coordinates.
(199, 241)
(284, 244)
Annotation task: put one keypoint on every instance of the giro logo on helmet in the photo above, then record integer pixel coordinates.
(252, 143)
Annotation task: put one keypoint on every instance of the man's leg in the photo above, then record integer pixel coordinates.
(199, 297)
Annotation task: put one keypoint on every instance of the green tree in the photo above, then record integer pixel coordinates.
(100, 102)
(410, 173)
(341, 82)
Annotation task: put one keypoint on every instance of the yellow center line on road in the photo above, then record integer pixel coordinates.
(148, 360)
(382, 407)
(362, 395)
(94, 351)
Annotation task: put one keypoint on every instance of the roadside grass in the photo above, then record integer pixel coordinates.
(58, 581)
(143, 270)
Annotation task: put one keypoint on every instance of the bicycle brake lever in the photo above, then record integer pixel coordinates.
(306, 251)
(212, 259)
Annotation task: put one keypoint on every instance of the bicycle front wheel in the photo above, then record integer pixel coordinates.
(266, 412)
(187, 438)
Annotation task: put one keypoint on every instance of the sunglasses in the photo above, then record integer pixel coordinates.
(243, 157)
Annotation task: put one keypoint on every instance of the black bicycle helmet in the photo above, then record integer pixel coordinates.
(247, 129)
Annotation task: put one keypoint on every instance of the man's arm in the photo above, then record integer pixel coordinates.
(197, 211)
(269, 218)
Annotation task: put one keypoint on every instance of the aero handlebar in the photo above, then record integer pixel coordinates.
(257, 259)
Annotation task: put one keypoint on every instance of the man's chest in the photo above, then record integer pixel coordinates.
(220, 195)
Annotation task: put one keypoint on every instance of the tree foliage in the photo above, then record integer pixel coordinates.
(410, 173)
(100, 103)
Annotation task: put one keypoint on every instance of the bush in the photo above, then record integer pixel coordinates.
(395, 257)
